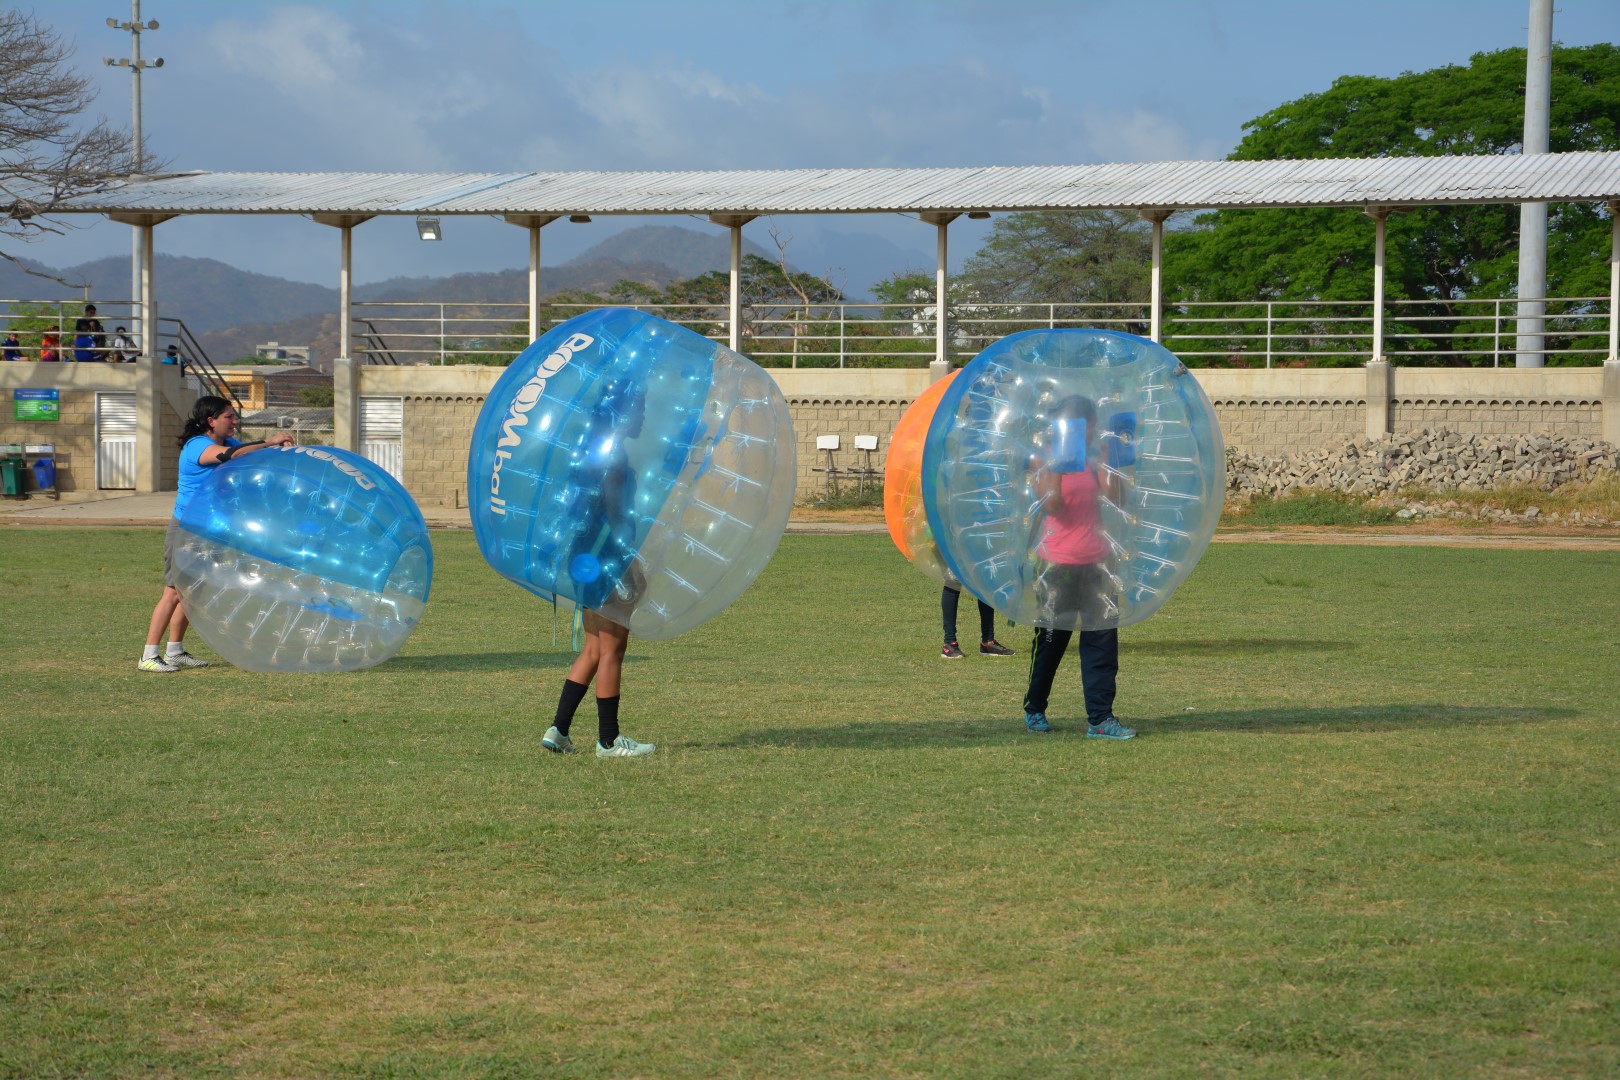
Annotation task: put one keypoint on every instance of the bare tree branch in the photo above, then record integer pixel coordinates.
(46, 158)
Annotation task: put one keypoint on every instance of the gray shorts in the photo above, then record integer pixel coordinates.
(171, 540)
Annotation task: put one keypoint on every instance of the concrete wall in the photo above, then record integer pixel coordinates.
(162, 401)
(1269, 412)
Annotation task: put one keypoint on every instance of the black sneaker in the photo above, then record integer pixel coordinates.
(951, 651)
(994, 648)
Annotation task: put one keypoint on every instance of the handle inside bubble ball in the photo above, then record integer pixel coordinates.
(1069, 450)
(1122, 440)
(584, 568)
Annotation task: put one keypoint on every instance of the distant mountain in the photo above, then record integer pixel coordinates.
(231, 311)
(206, 293)
(687, 252)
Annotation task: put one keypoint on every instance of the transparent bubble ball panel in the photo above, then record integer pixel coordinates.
(304, 558)
(1003, 435)
(634, 467)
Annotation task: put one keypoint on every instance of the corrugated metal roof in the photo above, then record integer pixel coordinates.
(1176, 185)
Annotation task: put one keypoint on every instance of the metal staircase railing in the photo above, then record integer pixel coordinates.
(373, 347)
(195, 361)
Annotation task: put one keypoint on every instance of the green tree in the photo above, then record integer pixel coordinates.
(1437, 254)
(1099, 258)
(315, 397)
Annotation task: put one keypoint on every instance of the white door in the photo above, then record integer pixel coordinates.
(115, 441)
(382, 433)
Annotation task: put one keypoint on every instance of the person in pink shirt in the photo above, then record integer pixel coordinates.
(1072, 482)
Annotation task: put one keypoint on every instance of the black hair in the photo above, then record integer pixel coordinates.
(1076, 407)
(207, 408)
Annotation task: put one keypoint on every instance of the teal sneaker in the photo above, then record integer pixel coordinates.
(1110, 728)
(556, 741)
(625, 746)
(1036, 721)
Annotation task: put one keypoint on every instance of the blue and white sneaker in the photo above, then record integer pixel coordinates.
(625, 746)
(1036, 721)
(1110, 728)
(556, 741)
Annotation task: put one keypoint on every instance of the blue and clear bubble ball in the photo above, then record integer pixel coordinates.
(634, 467)
(303, 558)
(1073, 478)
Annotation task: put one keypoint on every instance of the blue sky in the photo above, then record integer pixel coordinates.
(696, 84)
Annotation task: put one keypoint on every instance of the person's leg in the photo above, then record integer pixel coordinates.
(1045, 655)
(575, 684)
(988, 645)
(1099, 672)
(948, 600)
(163, 615)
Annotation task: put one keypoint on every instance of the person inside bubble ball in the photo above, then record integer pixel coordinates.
(208, 439)
(1071, 482)
(605, 493)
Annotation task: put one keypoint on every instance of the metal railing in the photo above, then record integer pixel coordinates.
(1206, 333)
(42, 323)
(1267, 333)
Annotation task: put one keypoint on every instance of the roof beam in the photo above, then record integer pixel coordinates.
(341, 221)
(141, 220)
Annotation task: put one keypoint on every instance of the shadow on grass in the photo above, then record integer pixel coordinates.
(491, 661)
(1231, 646)
(1002, 730)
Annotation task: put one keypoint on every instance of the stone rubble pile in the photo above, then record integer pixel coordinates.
(1433, 460)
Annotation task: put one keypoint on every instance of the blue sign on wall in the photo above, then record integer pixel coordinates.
(31, 404)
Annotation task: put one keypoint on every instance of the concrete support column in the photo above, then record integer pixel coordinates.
(941, 364)
(346, 404)
(1380, 392)
(149, 446)
(534, 223)
(148, 297)
(534, 283)
(345, 224)
(1380, 215)
(734, 305)
(346, 293)
(1611, 401)
(1614, 279)
(1158, 217)
(735, 223)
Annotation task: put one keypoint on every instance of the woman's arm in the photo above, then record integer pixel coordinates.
(213, 455)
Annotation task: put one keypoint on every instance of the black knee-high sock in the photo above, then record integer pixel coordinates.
(607, 719)
(572, 694)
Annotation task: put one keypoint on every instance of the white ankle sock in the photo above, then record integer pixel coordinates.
(149, 653)
(176, 648)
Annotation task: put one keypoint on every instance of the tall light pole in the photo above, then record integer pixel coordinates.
(1531, 350)
(136, 65)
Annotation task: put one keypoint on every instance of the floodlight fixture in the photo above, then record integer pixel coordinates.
(580, 219)
(427, 228)
(978, 215)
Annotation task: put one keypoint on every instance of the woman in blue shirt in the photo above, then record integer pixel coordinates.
(208, 439)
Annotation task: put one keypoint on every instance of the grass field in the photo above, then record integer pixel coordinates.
(1370, 828)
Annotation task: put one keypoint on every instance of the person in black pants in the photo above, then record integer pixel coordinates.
(1075, 583)
(949, 597)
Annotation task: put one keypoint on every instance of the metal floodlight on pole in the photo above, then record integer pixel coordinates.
(427, 228)
(136, 65)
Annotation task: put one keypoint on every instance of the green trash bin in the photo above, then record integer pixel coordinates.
(11, 475)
